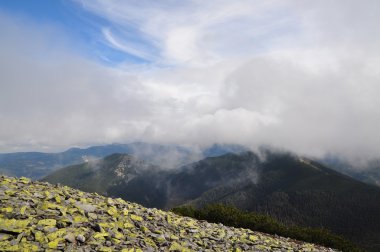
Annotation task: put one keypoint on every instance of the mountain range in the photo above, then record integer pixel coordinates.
(292, 189)
(36, 165)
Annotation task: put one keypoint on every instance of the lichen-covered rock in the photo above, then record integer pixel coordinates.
(37, 216)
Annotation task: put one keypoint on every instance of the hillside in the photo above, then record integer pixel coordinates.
(118, 175)
(291, 189)
(38, 216)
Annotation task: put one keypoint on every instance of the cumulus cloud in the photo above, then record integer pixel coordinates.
(298, 75)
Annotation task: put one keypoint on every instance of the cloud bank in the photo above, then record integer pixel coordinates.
(298, 75)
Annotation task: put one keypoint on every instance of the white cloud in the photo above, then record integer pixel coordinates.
(294, 74)
(197, 32)
(129, 49)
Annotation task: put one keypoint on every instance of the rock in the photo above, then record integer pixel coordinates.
(86, 207)
(69, 237)
(37, 216)
(136, 217)
(47, 222)
(81, 238)
(92, 216)
(192, 230)
(60, 224)
(97, 227)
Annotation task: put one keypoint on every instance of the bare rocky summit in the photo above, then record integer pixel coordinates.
(38, 216)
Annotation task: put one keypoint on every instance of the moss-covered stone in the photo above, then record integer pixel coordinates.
(47, 222)
(37, 216)
(13, 225)
(136, 217)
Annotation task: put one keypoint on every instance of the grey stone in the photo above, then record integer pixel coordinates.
(81, 238)
(86, 207)
(69, 237)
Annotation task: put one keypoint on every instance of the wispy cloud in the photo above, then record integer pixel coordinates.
(128, 47)
(195, 32)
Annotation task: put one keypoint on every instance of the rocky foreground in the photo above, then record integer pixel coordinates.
(37, 216)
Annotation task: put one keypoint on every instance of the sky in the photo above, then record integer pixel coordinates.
(299, 75)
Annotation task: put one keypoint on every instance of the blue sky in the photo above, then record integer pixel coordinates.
(81, 27)
(299, 75)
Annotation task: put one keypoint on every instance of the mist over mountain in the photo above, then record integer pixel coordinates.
(290, 188)
(367, 171)
(37, 164)
(116, 175)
